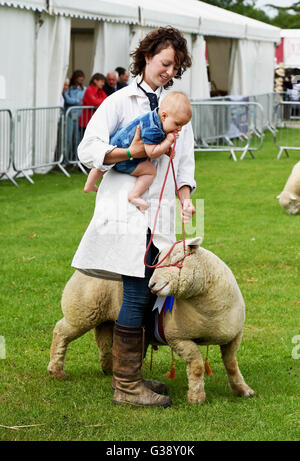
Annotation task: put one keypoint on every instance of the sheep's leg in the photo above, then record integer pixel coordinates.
(63, 334)
(191, 354)
(104, 339)
(235, 378)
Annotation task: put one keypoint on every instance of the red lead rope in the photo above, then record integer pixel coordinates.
(179, 263)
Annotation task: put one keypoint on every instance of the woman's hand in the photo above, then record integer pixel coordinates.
(137, 147)
(187, 210)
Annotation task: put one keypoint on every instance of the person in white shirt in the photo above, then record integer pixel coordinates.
(115, 241)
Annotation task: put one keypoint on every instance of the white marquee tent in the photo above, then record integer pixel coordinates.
(35, 38)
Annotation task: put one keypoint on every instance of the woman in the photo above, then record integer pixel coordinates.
(74, 94)
(93, 96)
(74, 97)
(114, 244)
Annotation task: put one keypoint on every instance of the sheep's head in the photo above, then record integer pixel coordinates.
(182, 282)
(290, 202)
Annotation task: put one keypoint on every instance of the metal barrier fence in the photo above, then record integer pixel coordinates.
(38, 140)
(268, 101)
(76, 120)
(6, 143)
(287, 134)
(228, 126)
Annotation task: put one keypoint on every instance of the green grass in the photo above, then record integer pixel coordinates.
(41, 226)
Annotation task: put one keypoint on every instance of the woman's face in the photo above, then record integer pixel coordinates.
(79, 80)
(99, 83)
(160, 68)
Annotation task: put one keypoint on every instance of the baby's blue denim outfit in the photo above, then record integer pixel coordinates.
(151, 133)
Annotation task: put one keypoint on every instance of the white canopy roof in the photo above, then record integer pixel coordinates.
(37, 5)
(220, 22)
(190, 16)
(108, 10)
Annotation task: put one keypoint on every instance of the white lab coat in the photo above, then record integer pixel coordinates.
(115, 240)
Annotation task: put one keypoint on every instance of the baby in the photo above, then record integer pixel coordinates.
(157, 132)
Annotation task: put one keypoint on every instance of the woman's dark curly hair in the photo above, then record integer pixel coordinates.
(154, 43)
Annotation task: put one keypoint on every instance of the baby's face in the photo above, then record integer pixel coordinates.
(174, 122)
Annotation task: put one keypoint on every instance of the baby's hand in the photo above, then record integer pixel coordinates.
(170, 137)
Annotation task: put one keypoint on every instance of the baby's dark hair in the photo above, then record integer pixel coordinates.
(154, 43)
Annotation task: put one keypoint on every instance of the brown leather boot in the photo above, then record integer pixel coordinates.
(152, 384)
(130, 388)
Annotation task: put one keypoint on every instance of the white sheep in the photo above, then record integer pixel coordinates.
(289, 198)
(208, 309)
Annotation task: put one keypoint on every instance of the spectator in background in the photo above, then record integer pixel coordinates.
(74, 94)
(93, 96)
(111, 83)
(123, 77)
(74, 97)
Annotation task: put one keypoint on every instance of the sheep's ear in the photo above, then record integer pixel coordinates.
(293, 197)
(194, 243)
(278, 196)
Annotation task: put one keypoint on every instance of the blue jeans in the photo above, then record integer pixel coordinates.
(137, 298)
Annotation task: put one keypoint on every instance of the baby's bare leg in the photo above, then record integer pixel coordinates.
(145, 173)
(93, 177)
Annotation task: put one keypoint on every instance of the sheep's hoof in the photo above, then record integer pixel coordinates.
(57, 374)
(244, 391)
(196, 397)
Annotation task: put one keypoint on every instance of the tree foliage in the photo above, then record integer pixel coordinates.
(286, 17)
